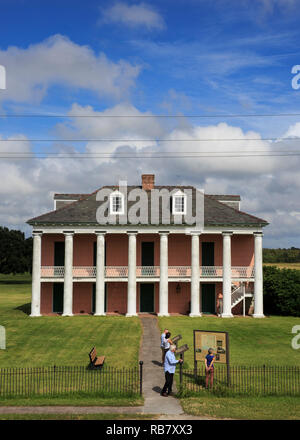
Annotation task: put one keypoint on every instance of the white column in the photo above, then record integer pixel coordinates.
(227, 275)
(195, 279)
(131, 285)
(163, 282)
(36, 275)
(258, 276)
(68, 280)
(100, 275)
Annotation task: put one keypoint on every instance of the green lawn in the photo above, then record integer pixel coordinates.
(247, 408)
(74, 399)
(110, 416)
(252, 341)
(61, 340)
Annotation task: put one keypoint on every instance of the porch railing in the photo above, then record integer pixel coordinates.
(211, 271)
(52, 271)
(242, 271)
(216, 272)
(84, 271)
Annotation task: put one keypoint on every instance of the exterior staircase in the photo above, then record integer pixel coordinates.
(237, 294)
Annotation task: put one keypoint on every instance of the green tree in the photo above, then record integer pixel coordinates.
(15, 251)
(281, 291)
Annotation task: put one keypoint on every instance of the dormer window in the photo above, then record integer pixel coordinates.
(179, 203)
(116, 203)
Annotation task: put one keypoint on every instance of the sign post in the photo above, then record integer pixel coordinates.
(219, 341)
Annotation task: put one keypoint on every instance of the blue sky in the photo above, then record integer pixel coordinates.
(188, 57)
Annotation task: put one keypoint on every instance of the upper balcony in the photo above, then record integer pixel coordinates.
(120, 273)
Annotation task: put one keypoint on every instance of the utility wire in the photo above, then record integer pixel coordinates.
(112, 156)
(154, 140)
(251, 115)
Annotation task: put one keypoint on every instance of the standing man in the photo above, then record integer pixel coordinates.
(162, 344)
(169, 367)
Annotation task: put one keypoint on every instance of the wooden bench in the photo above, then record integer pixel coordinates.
(96, 361)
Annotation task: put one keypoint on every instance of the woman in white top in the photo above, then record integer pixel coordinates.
(167, 342)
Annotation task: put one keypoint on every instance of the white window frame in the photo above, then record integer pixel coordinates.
(111, 203)
(174, 197)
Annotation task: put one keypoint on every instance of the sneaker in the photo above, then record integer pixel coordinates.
(164, 394)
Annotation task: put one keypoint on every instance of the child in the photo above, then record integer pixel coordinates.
(209, 367)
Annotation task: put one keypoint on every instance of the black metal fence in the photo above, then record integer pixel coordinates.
(57, 380)
(255, 380)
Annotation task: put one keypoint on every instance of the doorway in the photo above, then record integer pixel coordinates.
(208, 298)
(147, 298)
(208, 253)
(147, 253)
(58, 298)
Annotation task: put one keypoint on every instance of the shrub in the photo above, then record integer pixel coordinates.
(281, 291)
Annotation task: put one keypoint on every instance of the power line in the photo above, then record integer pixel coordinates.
(250, 115)
(112, 156)
(143, 153)
(154, 140)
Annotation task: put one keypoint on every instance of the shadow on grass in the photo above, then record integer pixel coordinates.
(3, 281)
(25, 308)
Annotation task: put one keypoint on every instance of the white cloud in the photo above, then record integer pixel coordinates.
(58, 60)
(293, 131)
(134, 16)
(269, 186)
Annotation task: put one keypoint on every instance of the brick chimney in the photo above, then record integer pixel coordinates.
(148, 181)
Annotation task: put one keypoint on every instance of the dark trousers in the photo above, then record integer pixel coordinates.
(168, 384)
(163, 354)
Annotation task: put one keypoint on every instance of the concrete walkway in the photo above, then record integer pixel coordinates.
(153, 373)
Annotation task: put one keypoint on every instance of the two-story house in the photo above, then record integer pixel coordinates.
(84, 262)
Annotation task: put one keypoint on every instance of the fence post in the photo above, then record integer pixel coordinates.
(54, 390)
(180, 376)
(264, 372)
(141, 377)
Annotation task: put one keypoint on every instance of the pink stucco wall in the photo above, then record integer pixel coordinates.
(179, 301)
(82, 298)
(179, 250)
(83, 250)
(48, 247)
(117, 298)
(242, 249)
(46, 298)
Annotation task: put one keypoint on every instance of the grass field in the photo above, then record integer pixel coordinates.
(110, 416)
(284, 265)
(252, 341)
(74, 399)
(61, 340)
(247, 408)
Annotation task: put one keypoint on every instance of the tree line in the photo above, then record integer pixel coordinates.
(291, 255)
(15, 251)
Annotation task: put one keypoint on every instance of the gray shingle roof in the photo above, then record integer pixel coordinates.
(224, 197)
(58, 196)
(83, 211)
